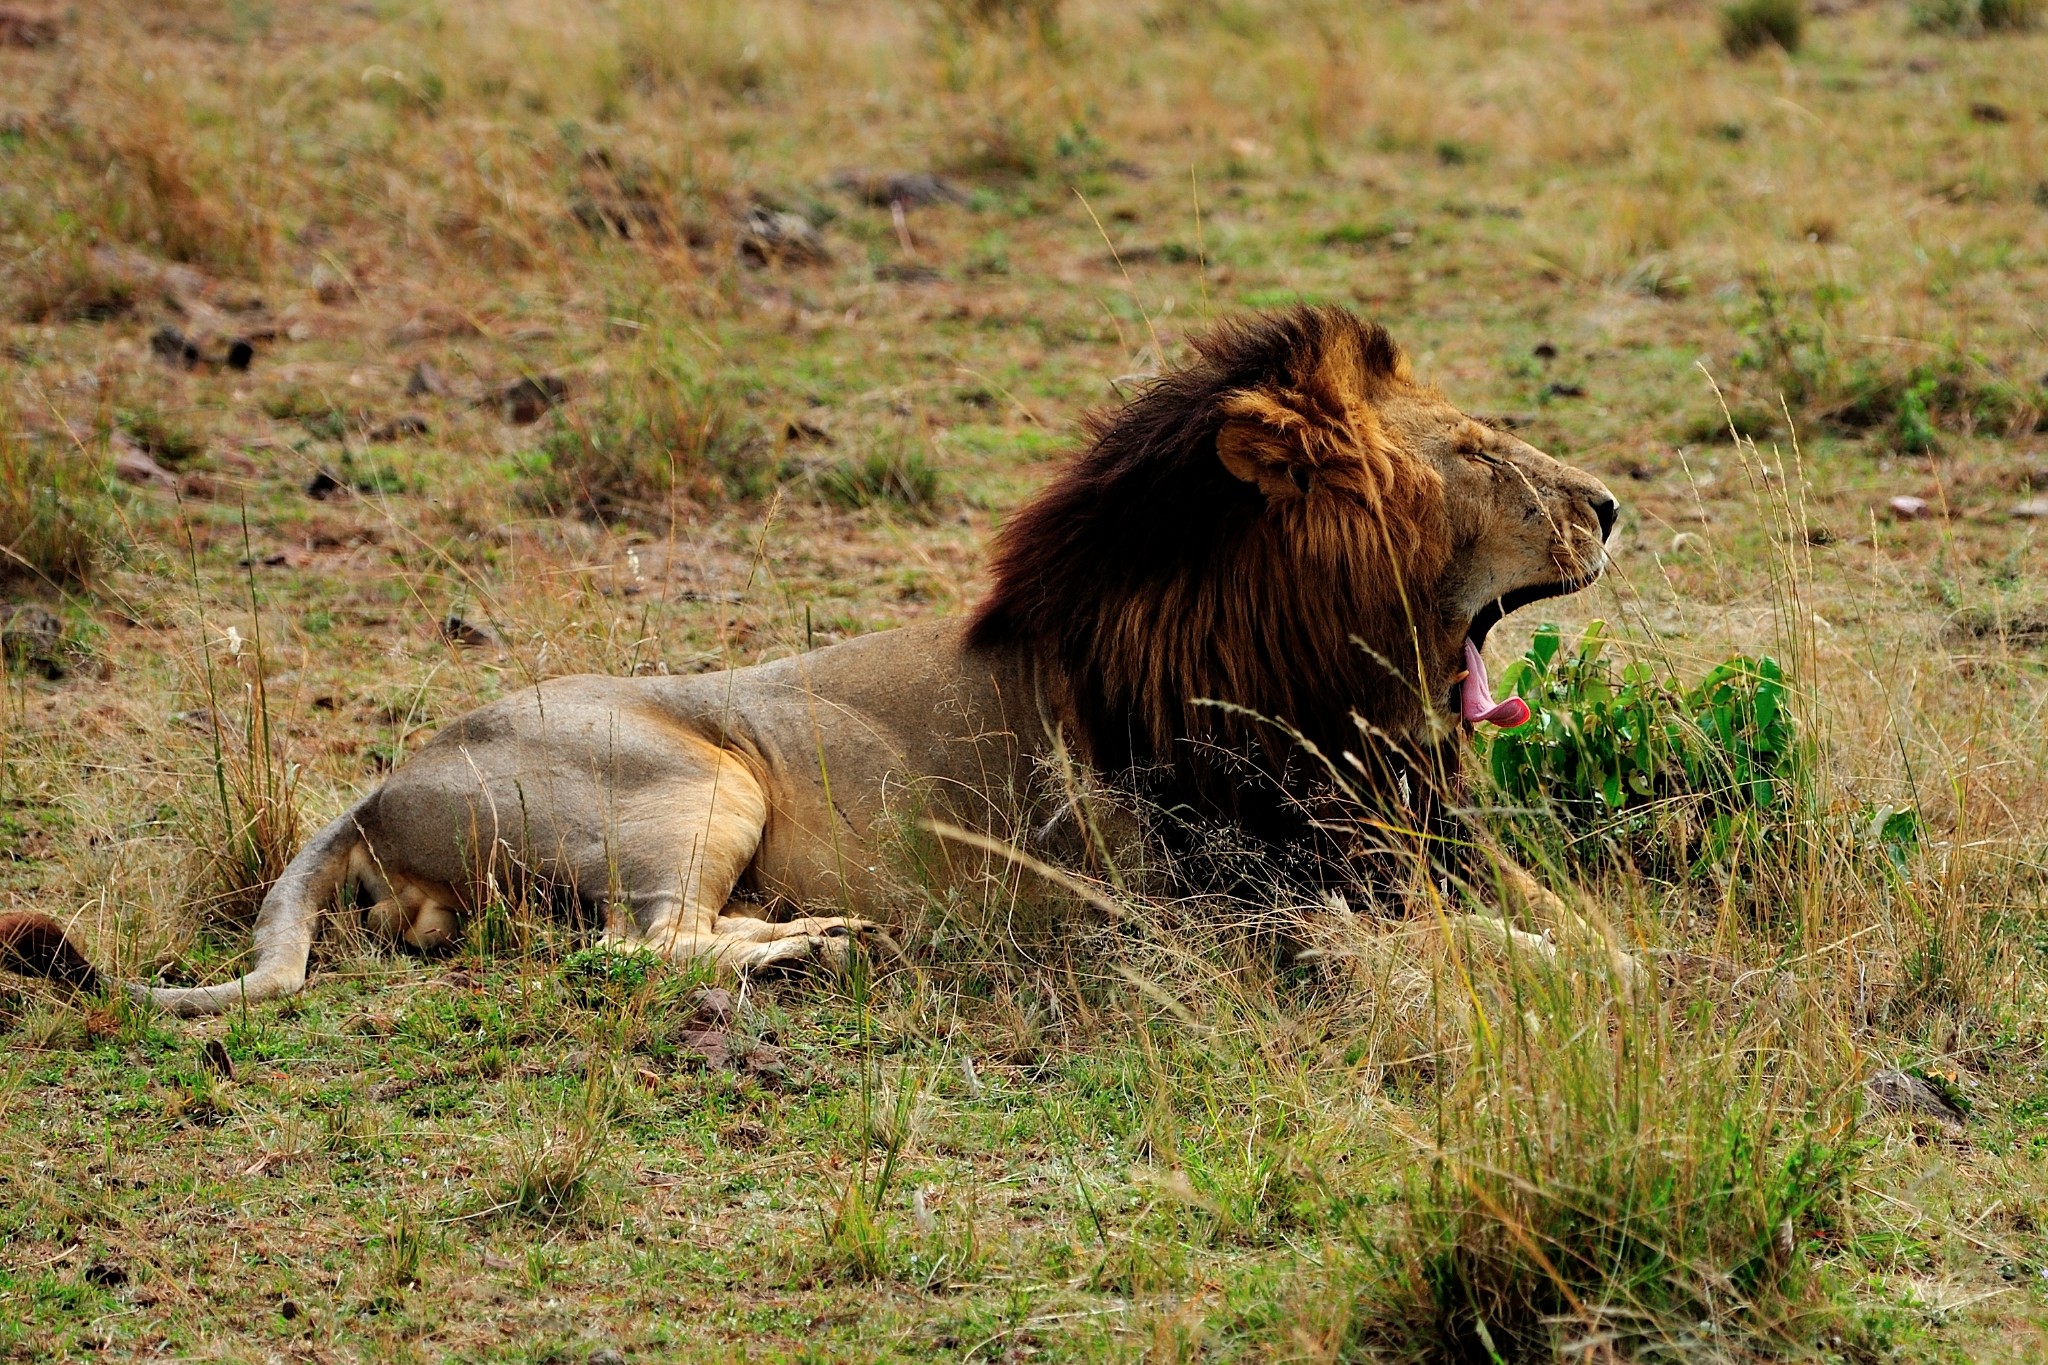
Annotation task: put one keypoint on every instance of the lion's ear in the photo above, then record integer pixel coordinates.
(1255, 453)
(1238, 446)
(1267, 444)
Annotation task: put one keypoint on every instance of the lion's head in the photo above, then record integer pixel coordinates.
(1292, 527)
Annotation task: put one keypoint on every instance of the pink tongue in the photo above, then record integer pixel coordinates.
(1476, 696)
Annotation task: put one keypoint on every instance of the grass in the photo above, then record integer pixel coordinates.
(1760, 299)
(1602, 1187)
(658, 431)
(54, 519)
(1976, 16)
(252, 807)
(1752, 25)
(905, 478)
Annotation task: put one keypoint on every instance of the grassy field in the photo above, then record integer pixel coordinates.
(365, 360)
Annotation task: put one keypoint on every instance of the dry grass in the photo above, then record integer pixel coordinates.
(54, 524)
(1157, 1136)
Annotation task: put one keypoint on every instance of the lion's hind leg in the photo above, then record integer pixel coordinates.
(677, 852)
(420, 914)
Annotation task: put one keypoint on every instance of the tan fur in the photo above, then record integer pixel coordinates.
(748, 817)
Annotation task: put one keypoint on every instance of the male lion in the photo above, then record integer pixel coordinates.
(1275, 565)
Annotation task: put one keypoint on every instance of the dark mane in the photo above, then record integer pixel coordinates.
(1155, 582)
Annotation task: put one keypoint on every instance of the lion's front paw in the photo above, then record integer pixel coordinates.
(831, 939)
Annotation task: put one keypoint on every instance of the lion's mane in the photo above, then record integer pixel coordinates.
(1152, 580)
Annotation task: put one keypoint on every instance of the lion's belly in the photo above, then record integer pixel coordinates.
(859, 746)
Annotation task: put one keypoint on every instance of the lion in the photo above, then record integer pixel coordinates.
(1258, 594)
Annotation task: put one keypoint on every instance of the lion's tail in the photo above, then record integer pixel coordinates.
(36, 945)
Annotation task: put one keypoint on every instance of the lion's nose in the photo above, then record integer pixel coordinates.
(1607, 509)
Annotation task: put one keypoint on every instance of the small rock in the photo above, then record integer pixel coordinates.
(241, 351)
(523, 402)
(1564, 390)
(2032, 509)
(908, 272)
(1908, 508)
(173, 347)
(33, 636)
(768, 237)
(106, 1275)
(715, 1007)
(215, 1057)
(329, 286)
(400, 428)
(425, 381)
(709, 1048)
(1901, 1092)
(605, 1355)
(1984, 111)
(710, 1040)
(323, 486)
(468, 634)
(1544, 351)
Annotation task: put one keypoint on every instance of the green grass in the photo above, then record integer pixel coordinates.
(1157, 1139)
(903, 478)
(55, 522)
(1975, 16)
(1751, 25)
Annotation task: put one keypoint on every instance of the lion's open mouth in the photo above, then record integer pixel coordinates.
(1472, 696)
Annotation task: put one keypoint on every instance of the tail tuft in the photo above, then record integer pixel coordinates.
(36, 945)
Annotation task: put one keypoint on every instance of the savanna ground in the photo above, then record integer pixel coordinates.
(1144, 1139)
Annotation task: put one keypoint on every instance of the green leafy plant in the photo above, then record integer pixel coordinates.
(1633, 758)
(1913, 428)
(597, 974)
